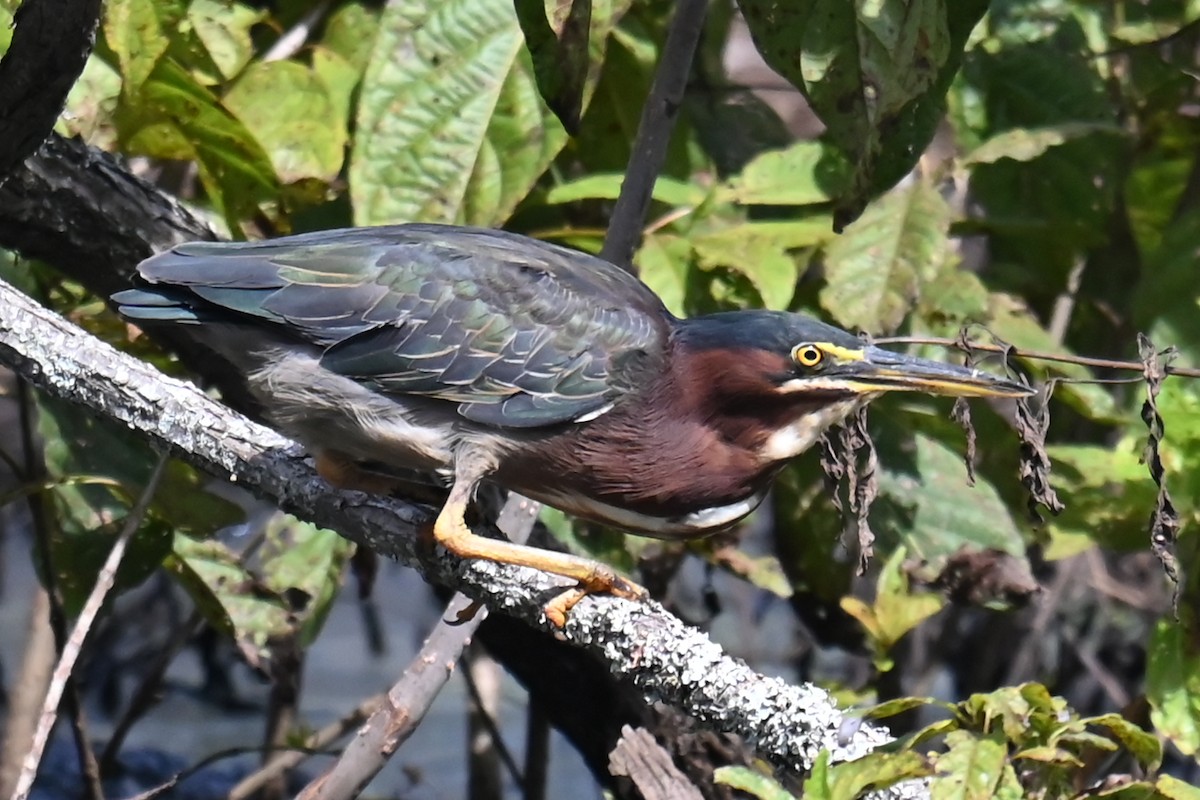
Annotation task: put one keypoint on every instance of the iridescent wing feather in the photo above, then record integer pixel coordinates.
(517, 332)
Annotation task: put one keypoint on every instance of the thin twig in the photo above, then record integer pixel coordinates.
(91, 610)
(1037, 355)
(317, 742)
(485, 718)
(35, 471)
(405, 707)
(290, 42)
(146, 695)
(654, 133)
(537, 753)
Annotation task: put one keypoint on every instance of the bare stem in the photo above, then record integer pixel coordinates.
(654, 133)
(91, 610)
(1037, 355)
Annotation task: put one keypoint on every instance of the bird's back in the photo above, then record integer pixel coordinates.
(514, 331)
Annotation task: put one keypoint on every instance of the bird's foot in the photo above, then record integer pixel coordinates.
(602, 581)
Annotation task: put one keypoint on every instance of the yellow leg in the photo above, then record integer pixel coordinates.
(451, 531)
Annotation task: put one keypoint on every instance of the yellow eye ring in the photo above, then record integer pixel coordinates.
(807, 355)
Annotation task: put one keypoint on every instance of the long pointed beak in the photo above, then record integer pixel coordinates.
(884, 371)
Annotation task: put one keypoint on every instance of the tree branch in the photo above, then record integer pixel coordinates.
(50, 44)
(639, 642)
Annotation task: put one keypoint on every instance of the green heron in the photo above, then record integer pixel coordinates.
(490, 356)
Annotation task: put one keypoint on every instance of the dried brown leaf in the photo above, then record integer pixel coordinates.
(1034, 470)
(853, 458)
(983, 576)
(1164, 520)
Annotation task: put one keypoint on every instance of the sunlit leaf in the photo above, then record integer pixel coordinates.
(971, 769)
(756, 784)
(138, 32)
(289, 111)
(350, 32)
(802, 174)
(174, 117)
(224, 28)
(876, 75)
(761, 252)
(607, 186)
(663, 264)
(1026, 144)
(1173, 685)
(875, 268)
(947, 514)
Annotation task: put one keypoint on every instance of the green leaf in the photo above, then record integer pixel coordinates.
(288, 109)
(816, 785)
(90, 104)
(607, 186)
(1010, 320)
(1173, 685)
(224, 28)
(97, 471)
(350, 32)
(138, 32)
(1110, 492)
(947, 515)
(6, 28)
(663, 263)
(451, 127)
(802, 174)
(305, 564)
(760, 251)
(340, 78)
(1144, 746)
(288, 594)
(875, 74)
(878, 770)
(559, 49)
(876, 267)
(896, 610)
(971, 769)
(174, 117)
(1026, 144)
(1175, 789)
(1166, 300)
(745, 779)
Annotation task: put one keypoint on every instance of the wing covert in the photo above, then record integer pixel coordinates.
(517, 332)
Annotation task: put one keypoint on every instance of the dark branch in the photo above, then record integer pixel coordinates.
(654, 133)
(50, 44)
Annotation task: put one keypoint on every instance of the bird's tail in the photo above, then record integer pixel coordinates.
(162, 304)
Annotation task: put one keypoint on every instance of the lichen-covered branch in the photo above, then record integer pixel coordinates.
(641, 642)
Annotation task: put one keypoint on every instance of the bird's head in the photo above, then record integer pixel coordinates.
(776, 381)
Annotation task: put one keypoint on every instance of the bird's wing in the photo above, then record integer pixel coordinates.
(518, 332)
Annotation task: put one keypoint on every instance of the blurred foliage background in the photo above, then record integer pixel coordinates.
(1028, 167)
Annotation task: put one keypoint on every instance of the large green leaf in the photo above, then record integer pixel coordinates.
(761, 252)
(224, 29)
(451, 127)
(944, 513)
(876, 267)
(287, 592)
(874, 72)
(1173, 685)
(289, 110)
(175, 117)
(974, 768)
(139, 32)
(97, 470)
(1013, 323)
(804, 173)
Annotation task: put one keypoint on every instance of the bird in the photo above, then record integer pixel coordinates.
(488, 356)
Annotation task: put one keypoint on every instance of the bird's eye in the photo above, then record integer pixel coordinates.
(807, 355)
